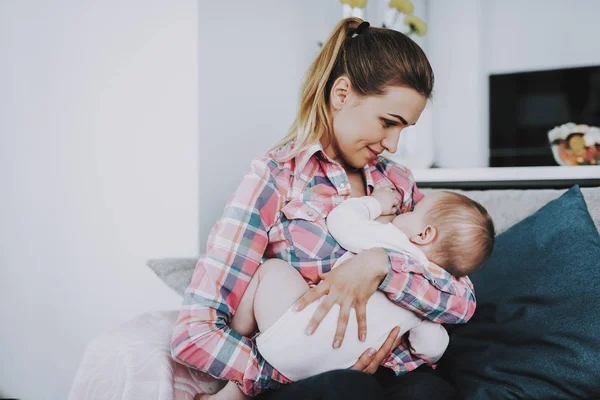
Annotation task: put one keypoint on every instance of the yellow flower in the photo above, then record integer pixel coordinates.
(403, 6)
(417, 25)
(355, 3)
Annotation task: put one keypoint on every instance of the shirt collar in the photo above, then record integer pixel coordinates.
(317, 150)
(305, 155)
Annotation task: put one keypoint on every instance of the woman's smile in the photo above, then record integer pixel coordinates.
(374, 154)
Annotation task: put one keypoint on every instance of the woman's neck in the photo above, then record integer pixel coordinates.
(329, 150)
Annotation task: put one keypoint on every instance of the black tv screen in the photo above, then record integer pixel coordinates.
(524, 106)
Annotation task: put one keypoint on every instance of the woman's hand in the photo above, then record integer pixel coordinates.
(370, 360)
(350, 285)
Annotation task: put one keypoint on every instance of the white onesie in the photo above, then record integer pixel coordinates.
(297, 356)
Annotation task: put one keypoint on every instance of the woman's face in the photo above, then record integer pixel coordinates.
(363, 127)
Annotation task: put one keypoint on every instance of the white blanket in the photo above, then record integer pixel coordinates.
(134, 362)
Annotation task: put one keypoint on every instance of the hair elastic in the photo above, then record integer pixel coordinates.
(361, 28)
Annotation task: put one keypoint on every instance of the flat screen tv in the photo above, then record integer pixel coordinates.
(524, 106)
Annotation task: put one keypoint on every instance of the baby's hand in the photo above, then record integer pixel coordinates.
(388, 200)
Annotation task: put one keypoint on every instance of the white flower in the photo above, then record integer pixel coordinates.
(563, 131)
(591, 134)
(592, 137)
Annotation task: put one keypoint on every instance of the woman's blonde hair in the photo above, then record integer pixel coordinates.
(373, 60)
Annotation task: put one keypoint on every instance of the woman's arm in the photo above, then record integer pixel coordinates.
(431, 293)
(202, 338)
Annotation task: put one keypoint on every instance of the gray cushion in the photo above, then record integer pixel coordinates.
(175, 272)
(507, 207)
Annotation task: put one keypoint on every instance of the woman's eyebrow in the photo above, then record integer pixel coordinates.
(400, 118)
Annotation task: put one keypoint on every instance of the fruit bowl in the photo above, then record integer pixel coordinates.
(574, 144)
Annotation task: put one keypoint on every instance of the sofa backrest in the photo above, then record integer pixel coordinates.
(507, 207)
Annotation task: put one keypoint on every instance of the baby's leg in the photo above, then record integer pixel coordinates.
(275, 286)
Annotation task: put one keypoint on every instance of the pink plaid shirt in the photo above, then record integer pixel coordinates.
(279, 210)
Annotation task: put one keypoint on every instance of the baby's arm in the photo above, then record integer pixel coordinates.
(352, 224)
(428, 341)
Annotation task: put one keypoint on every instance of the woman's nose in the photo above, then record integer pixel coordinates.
(390, 142)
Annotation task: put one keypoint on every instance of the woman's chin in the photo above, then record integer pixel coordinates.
(359, 164)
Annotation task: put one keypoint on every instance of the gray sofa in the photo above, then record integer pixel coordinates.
(121, 347)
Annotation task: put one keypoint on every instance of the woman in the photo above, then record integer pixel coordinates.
(365, 86)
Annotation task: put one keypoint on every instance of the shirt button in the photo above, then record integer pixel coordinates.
(342, 185)
(310, 214)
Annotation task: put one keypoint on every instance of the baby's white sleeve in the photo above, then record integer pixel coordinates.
(428, 341)
(352, 225)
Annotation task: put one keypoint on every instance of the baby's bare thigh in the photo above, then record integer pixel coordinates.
(279, 286)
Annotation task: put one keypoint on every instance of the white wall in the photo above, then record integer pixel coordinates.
(98, 172)
(124, 128)
(470, 39)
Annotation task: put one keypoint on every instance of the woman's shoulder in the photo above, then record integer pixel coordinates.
(275, 165)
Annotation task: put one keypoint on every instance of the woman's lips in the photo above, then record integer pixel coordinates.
(375, 154)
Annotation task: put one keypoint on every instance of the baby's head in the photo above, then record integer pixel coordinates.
(453, 231)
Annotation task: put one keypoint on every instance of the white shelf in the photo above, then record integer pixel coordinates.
(508, 177)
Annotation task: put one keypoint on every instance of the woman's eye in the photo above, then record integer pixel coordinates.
(387, 123)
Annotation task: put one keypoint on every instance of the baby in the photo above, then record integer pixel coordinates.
(444, 229)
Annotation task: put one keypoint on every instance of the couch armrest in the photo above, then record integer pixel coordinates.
(134, 362)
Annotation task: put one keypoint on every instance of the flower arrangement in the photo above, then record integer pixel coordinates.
(396, 8)
(574, 144)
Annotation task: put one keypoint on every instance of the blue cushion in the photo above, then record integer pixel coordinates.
(536, 331)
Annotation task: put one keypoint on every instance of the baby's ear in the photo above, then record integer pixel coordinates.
(426, 236)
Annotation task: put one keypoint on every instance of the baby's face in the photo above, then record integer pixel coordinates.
(413, 223)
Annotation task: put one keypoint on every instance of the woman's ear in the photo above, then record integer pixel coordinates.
(426, 236)
(339, 92)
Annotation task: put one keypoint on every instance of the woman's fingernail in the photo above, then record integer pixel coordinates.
(309, 331)
(336, 344)
(371, 352)
(295, 307)
(363, 337)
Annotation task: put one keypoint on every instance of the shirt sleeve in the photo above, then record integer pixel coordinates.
(431, 292)
(202, 338)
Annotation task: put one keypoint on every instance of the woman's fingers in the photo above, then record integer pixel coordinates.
(383, 351)
(319, 315)
(342, 324)
(396, 343)
(364, 360)
(371, 359)
(361, 318)
(315, 293)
